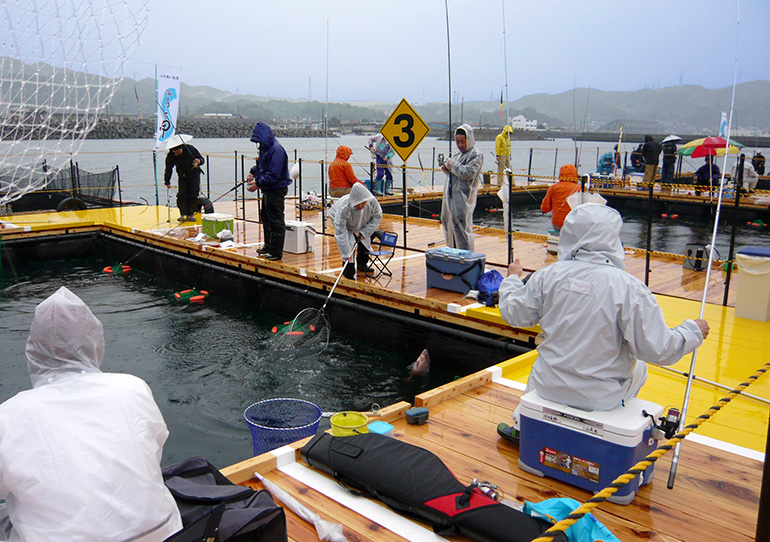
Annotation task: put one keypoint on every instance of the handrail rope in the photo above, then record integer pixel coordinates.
(630, 474)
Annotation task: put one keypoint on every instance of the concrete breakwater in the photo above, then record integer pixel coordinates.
(127, 128)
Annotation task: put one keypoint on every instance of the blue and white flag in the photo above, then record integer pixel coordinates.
(723, 126)
(168, 103)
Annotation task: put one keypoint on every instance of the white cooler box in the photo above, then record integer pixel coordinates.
(300, 237)
(587, 449)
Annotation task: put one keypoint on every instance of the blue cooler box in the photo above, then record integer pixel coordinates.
(587, 449)
(454, 269)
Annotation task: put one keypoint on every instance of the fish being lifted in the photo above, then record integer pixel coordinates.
(421, 367)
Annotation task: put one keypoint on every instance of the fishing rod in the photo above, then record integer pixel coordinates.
(716, 384)
(691, 372)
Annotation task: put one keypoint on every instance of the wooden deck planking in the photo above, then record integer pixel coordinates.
(667, 275)
(468, 422)
(355, 526)
(715, 496)
(716, 493)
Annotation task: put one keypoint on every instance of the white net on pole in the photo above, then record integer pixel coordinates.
(60, 64)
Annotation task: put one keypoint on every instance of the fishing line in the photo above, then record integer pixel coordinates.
(691, 372)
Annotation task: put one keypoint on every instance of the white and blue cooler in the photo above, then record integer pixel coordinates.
(587, 449)
(454, 269)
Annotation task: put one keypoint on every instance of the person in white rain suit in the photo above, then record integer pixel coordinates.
(462, 185)
(80, 452)
(600, 324)
(355, 216)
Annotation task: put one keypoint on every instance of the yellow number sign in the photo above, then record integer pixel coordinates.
(404, 129)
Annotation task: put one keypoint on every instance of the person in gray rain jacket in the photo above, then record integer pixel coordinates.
(462, 185)
(80, 452)
(600, 324)
(355, 216)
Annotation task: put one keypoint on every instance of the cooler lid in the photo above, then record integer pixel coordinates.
(627, 421)
(216, 216)
(453, 254)
(755, 251)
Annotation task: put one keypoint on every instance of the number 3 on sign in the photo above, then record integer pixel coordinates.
(404, 129)
(408, 121)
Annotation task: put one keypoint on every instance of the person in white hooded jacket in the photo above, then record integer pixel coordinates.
(600, 324)
(80, 452)
(462, 185)
(355, 217)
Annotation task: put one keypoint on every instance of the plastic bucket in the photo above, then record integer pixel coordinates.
(277, 422)
(346, 424)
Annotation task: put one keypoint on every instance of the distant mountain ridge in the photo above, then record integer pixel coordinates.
(686, 109)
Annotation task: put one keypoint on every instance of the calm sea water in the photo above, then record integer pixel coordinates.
(205, 364)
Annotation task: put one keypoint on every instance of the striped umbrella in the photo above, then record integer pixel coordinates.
(709, 146)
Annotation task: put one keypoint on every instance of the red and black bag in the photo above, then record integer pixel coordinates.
(414, 481)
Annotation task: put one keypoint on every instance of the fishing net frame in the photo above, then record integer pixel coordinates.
(61, 62)
(280, 421)
(304, 344)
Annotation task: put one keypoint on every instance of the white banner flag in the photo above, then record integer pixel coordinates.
(168, 103)
(723, 126)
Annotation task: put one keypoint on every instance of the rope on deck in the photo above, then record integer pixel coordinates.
(630, 474)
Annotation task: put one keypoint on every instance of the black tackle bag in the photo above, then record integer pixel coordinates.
(415, 482)
(209, 502)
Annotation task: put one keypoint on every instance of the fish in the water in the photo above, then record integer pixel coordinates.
(421, 367)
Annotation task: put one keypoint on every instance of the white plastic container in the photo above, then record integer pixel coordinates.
(752, 299)
(300, 237)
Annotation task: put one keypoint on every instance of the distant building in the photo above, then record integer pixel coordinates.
(521, 123)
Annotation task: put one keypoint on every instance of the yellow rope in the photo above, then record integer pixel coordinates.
(630, 474)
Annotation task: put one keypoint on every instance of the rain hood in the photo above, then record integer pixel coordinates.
(350, 222)
(591, 233)
(65, 338)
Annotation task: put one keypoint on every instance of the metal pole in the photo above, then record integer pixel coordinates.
(120, 193)
(300, 189)
(208, 178)
(555, 160)
(529, 168)
(243, 185)
(509, 230)
(649, 238)
(433, 168)
(406, 200)
(738, 187)
(323, 198)
(295, 184)
(155, 169)
(371, 178)
(763, 518)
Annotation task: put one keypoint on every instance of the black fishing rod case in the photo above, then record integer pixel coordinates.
(415, 482)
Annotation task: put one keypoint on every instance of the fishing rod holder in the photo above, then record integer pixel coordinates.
(668, 426)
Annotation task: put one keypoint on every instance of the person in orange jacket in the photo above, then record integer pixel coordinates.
(341, 176)
(555, 199)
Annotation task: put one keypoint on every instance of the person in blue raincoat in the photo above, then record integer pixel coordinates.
(271, 175)
(463, 171)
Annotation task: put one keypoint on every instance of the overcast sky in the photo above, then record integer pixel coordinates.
(388, 50)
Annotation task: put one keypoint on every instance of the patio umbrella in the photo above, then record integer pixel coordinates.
(709, 146)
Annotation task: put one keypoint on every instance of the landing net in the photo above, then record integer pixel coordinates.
(60, 64)
(308, 333)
